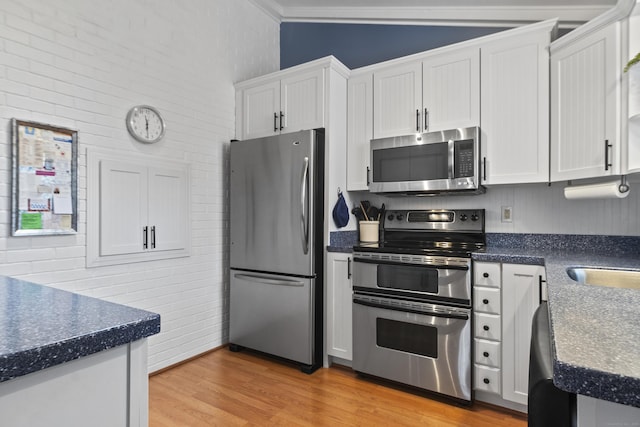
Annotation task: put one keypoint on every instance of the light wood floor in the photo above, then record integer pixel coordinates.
(236, 389)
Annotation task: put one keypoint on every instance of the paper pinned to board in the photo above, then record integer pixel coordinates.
(62, 205)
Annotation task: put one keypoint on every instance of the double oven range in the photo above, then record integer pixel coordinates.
(412, 300)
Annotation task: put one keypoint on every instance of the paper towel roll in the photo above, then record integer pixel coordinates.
(603, 190)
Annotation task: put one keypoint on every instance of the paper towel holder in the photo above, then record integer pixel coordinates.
(624, 186)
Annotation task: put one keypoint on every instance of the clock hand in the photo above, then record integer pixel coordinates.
(146, 126)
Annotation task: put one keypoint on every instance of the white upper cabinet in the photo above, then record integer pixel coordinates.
(289, 103)
(137, 209)
(440, 92)
(359, 130)
(515, 108)
(398, 100)
(451, 91)
(585, 107)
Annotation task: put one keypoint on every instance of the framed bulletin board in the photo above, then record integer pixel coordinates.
(45, 185)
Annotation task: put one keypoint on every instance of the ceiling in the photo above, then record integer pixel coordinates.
(437, 12)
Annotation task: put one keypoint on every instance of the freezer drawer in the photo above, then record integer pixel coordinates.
(273, 314)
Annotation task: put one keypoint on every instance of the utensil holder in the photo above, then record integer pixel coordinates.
(369, 231)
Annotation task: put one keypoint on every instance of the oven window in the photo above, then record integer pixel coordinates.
(408, 278)
(408, 337)
(413, 163)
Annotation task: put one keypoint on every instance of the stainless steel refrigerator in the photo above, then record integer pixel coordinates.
(276, 222)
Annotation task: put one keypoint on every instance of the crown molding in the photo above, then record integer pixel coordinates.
(620, 11)
(503, 16)
(270, 8)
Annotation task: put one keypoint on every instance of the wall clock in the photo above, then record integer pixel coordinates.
(145, 124)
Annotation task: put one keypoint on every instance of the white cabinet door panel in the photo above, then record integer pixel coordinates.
(303, 101)
(259, 104)
(397, 101)
(451, 91)
(359, 131)
(520, 297)
(515, 111)
(584, 102)
(339, 306)
(167, 200)
(123, 207)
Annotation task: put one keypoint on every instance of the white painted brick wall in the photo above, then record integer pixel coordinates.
(82, 64)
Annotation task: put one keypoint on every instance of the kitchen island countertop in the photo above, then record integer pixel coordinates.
(596, 329)
(41, 326)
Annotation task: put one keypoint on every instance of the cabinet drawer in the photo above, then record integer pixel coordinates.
(486, 300)
(486, 274)
(487, 326)
(487, 379)
(487, 353)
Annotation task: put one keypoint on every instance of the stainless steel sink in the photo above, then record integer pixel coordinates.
(613, 278)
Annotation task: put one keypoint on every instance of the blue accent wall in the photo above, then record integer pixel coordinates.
(358, 45)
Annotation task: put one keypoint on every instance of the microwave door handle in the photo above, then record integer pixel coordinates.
(451, 146)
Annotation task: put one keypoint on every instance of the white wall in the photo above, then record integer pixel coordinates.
(536, 208)
(82, 64)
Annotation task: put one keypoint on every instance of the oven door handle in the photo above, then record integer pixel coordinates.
(409, 310)
(436, 266)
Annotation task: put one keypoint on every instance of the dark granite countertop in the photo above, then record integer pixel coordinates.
(596, 329)
(42, 326)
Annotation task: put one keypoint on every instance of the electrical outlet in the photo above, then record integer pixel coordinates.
(507, 214)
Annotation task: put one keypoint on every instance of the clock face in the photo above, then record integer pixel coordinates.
(145, 124)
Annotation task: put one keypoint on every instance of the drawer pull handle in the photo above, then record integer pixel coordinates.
(485, 301)
(485, 327)
(486, 381)
(485, 354)
(485, 275)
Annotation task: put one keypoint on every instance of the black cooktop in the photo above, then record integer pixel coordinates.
(430, 232)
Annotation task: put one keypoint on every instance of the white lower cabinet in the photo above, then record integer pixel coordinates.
(505, 298)
(105, 389)
(339, 311)
(521, 295)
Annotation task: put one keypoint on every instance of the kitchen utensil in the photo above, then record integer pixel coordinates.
(364, 211)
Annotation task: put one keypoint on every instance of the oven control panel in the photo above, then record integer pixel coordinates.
(471, 220)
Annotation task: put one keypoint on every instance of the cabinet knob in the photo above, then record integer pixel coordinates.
(485, 354)
(485, 301)
(485, 275)
(486, 381)
(485, 327)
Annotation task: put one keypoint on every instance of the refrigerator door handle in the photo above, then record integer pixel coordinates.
(261, 279)
(304, 203)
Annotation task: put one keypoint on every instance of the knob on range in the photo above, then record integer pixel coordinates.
(390, 217)
(474, 217)
(463, 217)
(399, 217)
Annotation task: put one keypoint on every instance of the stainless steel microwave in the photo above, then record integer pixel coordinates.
(429, 163)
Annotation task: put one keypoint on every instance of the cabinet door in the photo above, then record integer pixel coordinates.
(521, 295)
(302, 101)
(584, 107)
(515, 111)
(123, 207)
(167, 209)
(259, 104)
(339, 311)
(397, 103)
(451, 91)
(359, 131)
